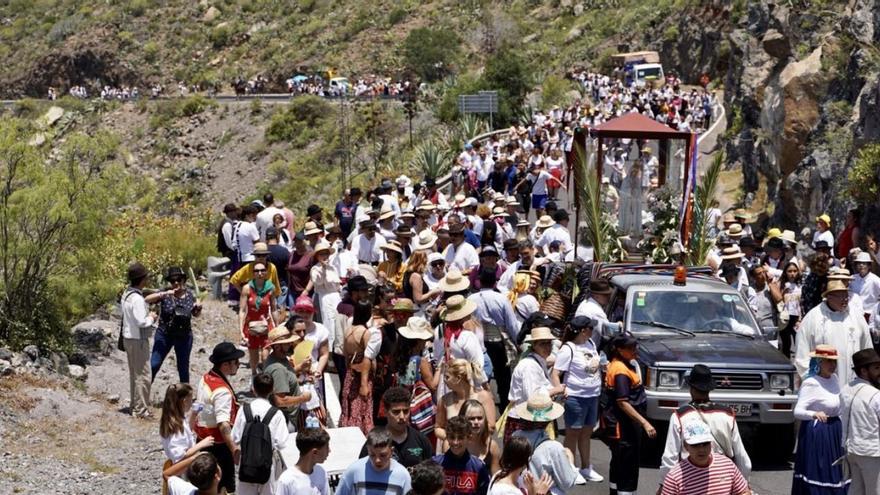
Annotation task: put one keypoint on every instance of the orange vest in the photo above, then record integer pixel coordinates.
(215, 381)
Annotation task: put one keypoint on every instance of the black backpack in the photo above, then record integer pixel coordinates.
(256, 447)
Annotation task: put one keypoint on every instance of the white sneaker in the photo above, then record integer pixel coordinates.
(580, 480)
(591, 476)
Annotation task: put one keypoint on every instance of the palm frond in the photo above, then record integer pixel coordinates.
(700, 242)
(601, 232)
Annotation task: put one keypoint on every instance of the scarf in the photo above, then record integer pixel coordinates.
(267, 287)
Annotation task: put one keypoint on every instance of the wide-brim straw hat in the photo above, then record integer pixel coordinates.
(417, 328)
(425, 240)
(539, 333)
(835, 285)
(837, 273)
(454, 281)
(511, 201)
(788, 236)
(426, 206)
(732, 253)
(499, 212)
(735, 230)
(280, 335)
(261, 249)
(458, 307)
(323, 245)
(545, 222)
(311, 228)
(863, 257)
(386, 212)
(539, 408)
(728, 218)
(393, 246)
(824, 351)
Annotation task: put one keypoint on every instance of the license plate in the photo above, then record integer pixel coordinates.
(740, 409)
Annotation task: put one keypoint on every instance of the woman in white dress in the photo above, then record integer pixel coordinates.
(631, 202)
(326, 283)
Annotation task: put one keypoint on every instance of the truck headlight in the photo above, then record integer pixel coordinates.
(669, 379)
(780, 381)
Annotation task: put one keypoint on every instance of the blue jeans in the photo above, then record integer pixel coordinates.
(162, 344)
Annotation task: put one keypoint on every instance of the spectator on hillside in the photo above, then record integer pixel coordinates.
(177, 306)
(138, 323)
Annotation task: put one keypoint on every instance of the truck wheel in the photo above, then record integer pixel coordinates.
(774, 444)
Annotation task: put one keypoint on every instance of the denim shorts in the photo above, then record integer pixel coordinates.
(539, 201)
(581, 411)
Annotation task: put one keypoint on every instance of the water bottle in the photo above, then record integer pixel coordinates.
(312, 421)
(603, 361)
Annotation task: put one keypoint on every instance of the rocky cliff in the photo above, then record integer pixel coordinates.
(802, 95)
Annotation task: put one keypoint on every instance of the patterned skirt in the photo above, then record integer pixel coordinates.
(357, 410)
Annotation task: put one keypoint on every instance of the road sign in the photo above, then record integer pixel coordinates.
(482, 102)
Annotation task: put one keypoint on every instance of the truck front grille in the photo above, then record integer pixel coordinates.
(739, 381)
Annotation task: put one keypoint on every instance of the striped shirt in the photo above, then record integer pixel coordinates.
(721, 477)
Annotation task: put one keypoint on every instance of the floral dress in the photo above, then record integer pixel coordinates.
(259, 307)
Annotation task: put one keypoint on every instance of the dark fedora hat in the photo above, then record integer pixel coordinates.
(224, 352)
(579, 323)
(174, 272)
(230, 207)
(775, 243)
(701, 378)
(865, 357)
(137, 272)
(600, 287)
(313, 210)
(356, 283)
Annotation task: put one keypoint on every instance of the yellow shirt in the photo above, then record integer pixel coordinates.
(246, 273)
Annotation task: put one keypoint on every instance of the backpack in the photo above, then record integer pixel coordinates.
(256, 447)
(222, 247)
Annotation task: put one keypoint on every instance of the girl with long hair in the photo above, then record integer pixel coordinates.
(459, 379)
(792, 282)
(514, 460)
(481, 443)
(361, 347)
(522, 295)
(175, 428)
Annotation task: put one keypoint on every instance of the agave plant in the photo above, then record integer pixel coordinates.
(433, 159)
(471, 126)
(699, 241)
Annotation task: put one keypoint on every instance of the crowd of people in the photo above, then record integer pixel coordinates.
(447, 323)
(371, 86)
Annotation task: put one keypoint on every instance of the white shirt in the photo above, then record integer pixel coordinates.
(265, 219)
(466, 346)
(591, 308)
(580, 363)
(277, 427)
(295, 482)
(869, 288)
(345, 263)
(464, 257)
(247, 236)
(861, 418)
(540, 182)
(529, 376)
(177, 444)
(818, 394)
(556, 233)
(848, 334)
(826, 236)
(374, 342)
(368, 250)
(177, 486)
(136, 320)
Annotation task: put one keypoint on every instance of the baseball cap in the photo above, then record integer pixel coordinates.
(696, 432)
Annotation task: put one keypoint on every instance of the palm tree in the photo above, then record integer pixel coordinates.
(699, 241)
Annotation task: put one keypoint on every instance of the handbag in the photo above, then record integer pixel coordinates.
(423, 412)
(258, 328)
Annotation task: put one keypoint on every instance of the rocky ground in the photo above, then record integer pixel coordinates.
(63, 426)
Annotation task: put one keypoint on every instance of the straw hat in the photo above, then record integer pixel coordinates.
(403, 305)
(499, 212)
(417, 328)
(311, 228)
(524, 223)
(393, 246)
(788, 236)
(460, 200)
(732, 253)
(735, 230)
(386, 212)
(835, 285)
(824, 351)
(426, 206)
(728, 218)
(863, 257)
(837, 273)
(261, 249)
(545, 222)
(539, 333)
(824, 218)
(425, 240)
(511, 201)
(454, 281)
(407, 213)
(742, 213)
(323, 245)
(403, 181)
(540, 408)
(458, 308)
(280, 335)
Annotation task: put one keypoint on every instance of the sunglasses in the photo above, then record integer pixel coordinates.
(263, 270)
(175, 280)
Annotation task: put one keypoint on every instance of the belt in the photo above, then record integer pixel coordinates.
(371, 263)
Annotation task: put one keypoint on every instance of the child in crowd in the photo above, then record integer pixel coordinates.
(463, 472)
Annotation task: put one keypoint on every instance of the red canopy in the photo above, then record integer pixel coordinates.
(637, 126)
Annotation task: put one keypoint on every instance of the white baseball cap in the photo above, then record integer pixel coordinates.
(696, 432)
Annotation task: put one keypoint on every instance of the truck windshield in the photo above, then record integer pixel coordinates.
(649, 73)
(697, 312)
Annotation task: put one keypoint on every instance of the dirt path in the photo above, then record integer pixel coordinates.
(63, 436)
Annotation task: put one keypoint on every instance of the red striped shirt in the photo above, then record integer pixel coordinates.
(720, 477)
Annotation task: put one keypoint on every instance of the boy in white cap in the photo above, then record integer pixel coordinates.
(866, 284)
(702, 471)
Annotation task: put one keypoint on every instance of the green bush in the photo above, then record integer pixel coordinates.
(396, 15)
(297, 123)
(220, 36)
(431, 53)
(864, 176)
(554, 91)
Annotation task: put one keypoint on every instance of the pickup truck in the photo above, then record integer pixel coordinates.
(680, 321)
